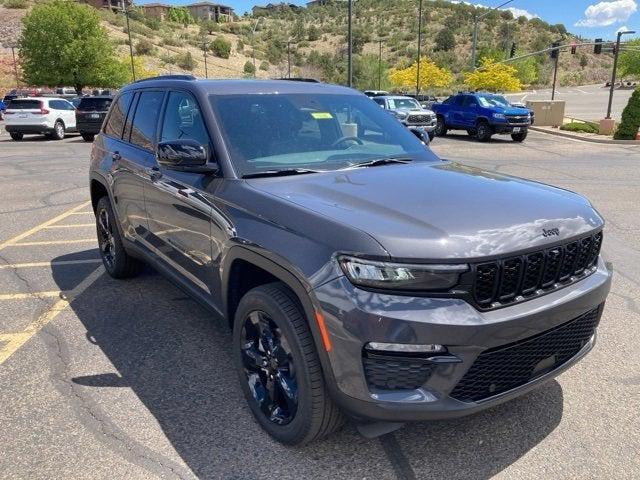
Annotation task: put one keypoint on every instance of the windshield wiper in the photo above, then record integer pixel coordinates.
(280, 173)
(379, 161)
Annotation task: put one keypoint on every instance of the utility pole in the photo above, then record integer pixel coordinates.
(204, 51)
(380, 65)
(476, 20)
(419, 46)
(15, 65)
(615, 67)
(555, 54)
(126, 15)
(253, 45)
(350, 48)
(288, 58)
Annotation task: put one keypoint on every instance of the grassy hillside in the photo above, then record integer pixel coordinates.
(317, 42)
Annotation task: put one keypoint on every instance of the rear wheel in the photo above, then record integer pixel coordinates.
(519, 137)
(88, 137)
(279, 368)
(441, 127)
(483, 132)
(58, 131)
(16, 136)
(117, 262)
(472, 132)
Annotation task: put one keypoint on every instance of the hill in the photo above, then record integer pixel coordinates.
(316, 37)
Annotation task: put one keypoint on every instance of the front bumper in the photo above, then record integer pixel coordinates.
(427, 127)
(355, 317)
(89, 127)
(508, 127)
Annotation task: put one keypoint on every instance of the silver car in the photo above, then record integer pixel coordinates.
(409, 112)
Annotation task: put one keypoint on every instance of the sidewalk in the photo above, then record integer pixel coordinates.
(585, 137)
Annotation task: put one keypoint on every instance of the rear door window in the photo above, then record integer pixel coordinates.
(145, 119)
(94, 104)
(18, 104)
(115, 123)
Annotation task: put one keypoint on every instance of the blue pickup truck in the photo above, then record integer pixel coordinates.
(482, 115)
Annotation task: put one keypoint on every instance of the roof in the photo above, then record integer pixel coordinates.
(246, 86)
(165, 5)
(394, 97)
(211, 4)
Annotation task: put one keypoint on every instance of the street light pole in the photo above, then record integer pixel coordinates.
(476, 20)
(253, 45)
(615, 67)
(126, 15)
(204, 50)
(350, 48)
(288, 58)
(380, 65)
(419, 46)
(15, 65)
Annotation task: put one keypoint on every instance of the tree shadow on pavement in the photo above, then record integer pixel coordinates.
(176, 358)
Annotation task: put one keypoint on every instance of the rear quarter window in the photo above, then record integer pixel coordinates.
(115, 123)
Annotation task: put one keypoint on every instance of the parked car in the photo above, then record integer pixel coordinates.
(52, 117)
(360, 274)
(523, 105)
(90, 114)
(482, 115)
(409, 112)
(3, 107)
(375, 93)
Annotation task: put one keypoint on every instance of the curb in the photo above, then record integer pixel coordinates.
(585, 139)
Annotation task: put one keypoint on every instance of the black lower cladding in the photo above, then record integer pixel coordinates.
(392, 372)
(509, 366)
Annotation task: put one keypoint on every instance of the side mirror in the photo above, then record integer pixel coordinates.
(421, 134)
(185, 155)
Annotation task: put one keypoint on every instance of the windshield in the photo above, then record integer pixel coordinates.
(267, 132)
(493, 101)
(404, 104)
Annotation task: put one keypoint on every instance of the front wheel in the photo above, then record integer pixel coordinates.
(483, 132)
(519, 137)
(441, 127)
(279, 369)
(17, 136)
(432, 135)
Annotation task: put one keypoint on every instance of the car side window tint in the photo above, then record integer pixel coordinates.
(115, 123)
(145, 119)
(183, 120)
(458, 100)
(379, 101)
(55, 105)
(470, 101)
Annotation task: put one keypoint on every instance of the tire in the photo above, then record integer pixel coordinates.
(483, 132)
(58, 131)
(88, 137)
(441, 127)
(432, 135)
(17, 136)
(519, 137)
(471, 132)
(272, 311)
(117, 262)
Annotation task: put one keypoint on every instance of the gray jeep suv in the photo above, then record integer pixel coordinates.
(361, 275)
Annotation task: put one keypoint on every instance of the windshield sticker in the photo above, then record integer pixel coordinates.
(321, 115)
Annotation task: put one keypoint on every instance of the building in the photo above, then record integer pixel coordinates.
(115, 5)
(210, 11)
(317, 3)
(275, 7)
(156, 10)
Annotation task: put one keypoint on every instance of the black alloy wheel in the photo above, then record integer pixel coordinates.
(106, 238)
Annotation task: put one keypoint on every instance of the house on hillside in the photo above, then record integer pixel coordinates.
(275, 7)
(317, 3)
(115, 5)
(210, 11)
(156, 10)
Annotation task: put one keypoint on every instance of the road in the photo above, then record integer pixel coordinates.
(586, 103)
(131, 379)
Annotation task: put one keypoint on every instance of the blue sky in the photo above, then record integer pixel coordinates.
(589, 18)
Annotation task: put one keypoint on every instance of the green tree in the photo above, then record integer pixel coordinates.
(526, 70)
(180, 15)
(185, 61)
(209, 26)
(63, 43)
(630, 123)
(445, 40)
(248, 69)
(584, 61)
(221, 47)
(629, 60)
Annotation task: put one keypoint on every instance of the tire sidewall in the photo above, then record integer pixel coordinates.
(295, 431)
(441, 128)
(118, 266)
(57, 133)
(483, 132)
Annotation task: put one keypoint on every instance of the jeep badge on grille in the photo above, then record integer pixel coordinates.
(552, 232)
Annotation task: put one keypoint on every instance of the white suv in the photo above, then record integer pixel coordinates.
(42, 115)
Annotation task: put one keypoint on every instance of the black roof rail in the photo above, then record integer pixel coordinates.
(167, 77)
(299, 79)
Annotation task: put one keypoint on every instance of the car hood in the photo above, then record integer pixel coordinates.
(511, 110)
(443, 210)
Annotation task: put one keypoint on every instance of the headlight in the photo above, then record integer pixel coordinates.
(499, 116)
(400, 276)
(401, 115)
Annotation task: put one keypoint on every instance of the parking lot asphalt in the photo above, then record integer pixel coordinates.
(131, 379)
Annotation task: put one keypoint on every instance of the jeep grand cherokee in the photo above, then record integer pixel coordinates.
(361, 275)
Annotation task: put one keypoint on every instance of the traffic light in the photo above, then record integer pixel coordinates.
(574, 47)
(513, 50)
(597, 48)
(555, 53)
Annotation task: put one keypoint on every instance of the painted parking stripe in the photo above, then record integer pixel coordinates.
(13, 266)
(53, 242)
(22, 296)
(37, 228)
(16, 340)
(72, 225)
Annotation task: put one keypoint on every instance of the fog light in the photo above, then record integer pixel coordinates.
(405, 347)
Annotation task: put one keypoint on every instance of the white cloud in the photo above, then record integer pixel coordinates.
(604, 14)
(519, 12)
(624, 28)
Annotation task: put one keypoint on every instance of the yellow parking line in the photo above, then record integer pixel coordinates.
(54, 242)
(83, 213)
(33, 230)
(22, 296)
(50, 264)
(15, 341)
(78, 225)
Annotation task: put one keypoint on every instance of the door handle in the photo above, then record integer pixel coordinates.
(115, 156)
(154, 173)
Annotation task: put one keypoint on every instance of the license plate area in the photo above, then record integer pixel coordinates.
(516, 130)
(94, 115)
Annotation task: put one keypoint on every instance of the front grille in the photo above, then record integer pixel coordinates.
(517, 119)
(521, 277)
(506, 367)
(395, 373)
(419, 118)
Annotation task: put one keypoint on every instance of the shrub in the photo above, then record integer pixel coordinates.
(630, 123)
(171, 41)
(249, 69)
(185, 61)
(152, 23)
(15, 4)
(240, 46)
(144, 47)
(263, 66)
(580, 127)
(221, 47)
